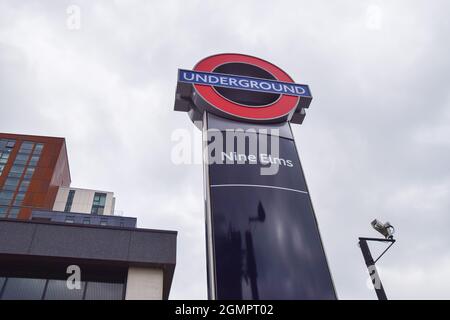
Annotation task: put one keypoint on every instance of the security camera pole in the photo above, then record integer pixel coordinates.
(387, 230)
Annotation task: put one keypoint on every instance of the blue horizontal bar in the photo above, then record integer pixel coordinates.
(243, 83)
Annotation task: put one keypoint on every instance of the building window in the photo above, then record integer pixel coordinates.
(26, 145)
(104, 222)
(19, 198)
(3, 212)
(98, 206)
(15, 288)
(57, 290)
(23, 289)
(38, 149)
(29, 173)
(21, 159)
(6, 197)
(3, 160)
(13, 213)
(70, 219)
(34, 160)
(86, 221)
(104, 291)
(7, 144)
(5, 150)
(11, 184)
(10, 143)
(24, 186)
(69, 201)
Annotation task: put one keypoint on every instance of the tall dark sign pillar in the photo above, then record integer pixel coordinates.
(263, 240)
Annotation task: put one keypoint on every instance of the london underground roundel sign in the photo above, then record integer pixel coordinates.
(242, 88)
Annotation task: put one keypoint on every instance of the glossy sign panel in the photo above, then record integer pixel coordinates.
(266, 242)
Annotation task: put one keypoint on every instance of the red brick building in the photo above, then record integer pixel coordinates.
(32, 168)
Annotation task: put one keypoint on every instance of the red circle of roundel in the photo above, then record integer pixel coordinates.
(278, 109)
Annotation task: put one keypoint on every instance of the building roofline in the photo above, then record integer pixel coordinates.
(29, 136)
(40, 137)
(89, 225)
(88, 189)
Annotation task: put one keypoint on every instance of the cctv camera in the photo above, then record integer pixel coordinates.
(386, 229)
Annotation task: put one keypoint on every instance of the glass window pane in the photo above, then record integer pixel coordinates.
(10, 144)
(29, 173)
(104, 291)
(3, 212)
(9, 188)
(20, 195)
(5, 202)
(6, 194)
(70, 220)
(27, 145)
(34, 160)
(68, 206)
(13, 213)
(12, 182)
(23, 289)
(100, 199)
(2, 282)
(22, 157)
(24, 186)
(58, 290)
(17, 169)
(19, 198)
(38, 149)
(25, 151)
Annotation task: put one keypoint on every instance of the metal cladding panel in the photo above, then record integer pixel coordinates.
(56, 240)
(105, 244)
(143, 250)
(15, 238)
(266, 242)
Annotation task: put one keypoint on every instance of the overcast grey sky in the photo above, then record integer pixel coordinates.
(375, 142)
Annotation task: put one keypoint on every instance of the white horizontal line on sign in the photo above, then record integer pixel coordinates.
(257, 186)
